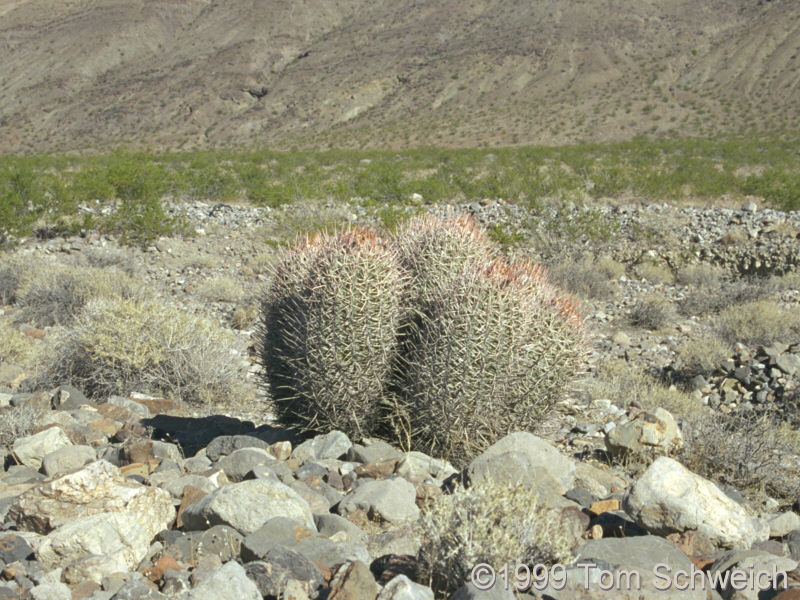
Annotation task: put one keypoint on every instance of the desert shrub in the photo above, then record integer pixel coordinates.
(220, 289)
(609, 267)
(625, 383)
(10, 277)
(787, 281)
(105, 258)
(758, 323)
(488, 354)
(654, 311)
(119, 346)
(701, 275)
(715, 298)
(14, 345)
(745, 450)
(18, 422)
(329, 331)
(654, 272)
(55, 294)
(702, 356)
(490, 522)
(245, 316)
(582, 277)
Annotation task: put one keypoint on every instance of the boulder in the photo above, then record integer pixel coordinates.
(329, 445)
(402, 588)
(669, 498)
(647, 431)
(758, 568)
(67, 458)
(392, 500)
(31, 449)
(247, 505)
(228, 581)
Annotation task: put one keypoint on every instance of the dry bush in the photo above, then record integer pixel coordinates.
(654, 272)
(623, 383)
(713, 299)
(56, 294)
(106, 258)
(759, 323)
(15, 347)
(121, 346)
(654, 311)
(747, 451)
(18, 422)
(204, 261)
(787, 281)
(490, 522)
(702, 356)
(609, 267)
(10, 277)
(701, 275)
(583, 278)
(245, 315)
(262, 264)
(220, 289)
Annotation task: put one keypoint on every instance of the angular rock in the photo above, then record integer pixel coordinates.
(669, 498)
(31, 449)
(402, 588)
(468, 591)
(391, 500)
(353, 581)
(783, 524)
(220, 541)
(14, 548)
(273, 573)
(417, 467)
(67, 459)
(339, 528)
(95, 546)
(378, 450)
(239, 463)
(533, 452)
(788, 363)
(67, 398)
(51, 591)
(226, 444)
(751, 562)
(275, 533)
(329, 445)
(96, 488)
(655, 430)
(228, 581)
(247, 505)
(138, 589)
(176, 485)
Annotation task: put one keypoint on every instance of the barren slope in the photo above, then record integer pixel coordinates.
(192, 73)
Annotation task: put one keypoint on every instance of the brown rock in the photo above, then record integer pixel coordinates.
(354, 582)
(692, 543)
(281, 450)
(426, 492)
(378, 469)
(156, 572)
(112, 411)
(158, 406)
(131, 430)
(793, 594)
(191, 495)
(85, 590)
(105, 426)
(138, 450)
(603, 506)
(35, 334)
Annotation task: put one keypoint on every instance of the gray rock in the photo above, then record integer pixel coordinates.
(402, 588)
(751, 561)
(788, 363)
(377, 450)
(239, 463)
(31, 449)
(228, 581)
(469, 592)
(417, 467)
(51, 591)
(655, 430)
(219, 541)
(392, 500)
(67, 459)
(670, 498)
(279, 532)
(135, 408)
(247, 505)
(175, 486)
(273, 573)
(90, 548)
(225, 444)
(197, 464)
(317, 502)
(68, 398)
(339, 528)
(534, 451)
(329, 445)
(138, 589)
(14, 548)
(780, 525)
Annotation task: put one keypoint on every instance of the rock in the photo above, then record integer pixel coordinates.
(176, 485)
(273, 573)
(67, 397)
(138, 589)
(247, 505)
(783, 524)
(226, 444)
(391, 500)
(378, 450)
(197, 464)
(330, 525)
(135, 408)
(96, 488)
(598, 482)
(30, 450)
(239, 463)
(620, 338)
(330, 445)
(625, 569)
(669, 498)
(534, 452)
(228, 581)
(14, 548)
(67, 459)
(51, 591)
(275, 533)
(220, 541)
(402, 588)
(468, 591)
(95, 546)
(788, 363)
(353, 581)
(749, 563)
(655, 430)
(417, 467)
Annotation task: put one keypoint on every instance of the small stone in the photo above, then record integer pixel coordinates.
(402, 588)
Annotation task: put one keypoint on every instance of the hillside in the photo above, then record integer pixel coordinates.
(198, 73)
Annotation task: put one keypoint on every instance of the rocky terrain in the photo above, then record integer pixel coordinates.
(198, 74)
(143, 496)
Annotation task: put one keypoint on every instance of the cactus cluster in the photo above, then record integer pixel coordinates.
(430, 337)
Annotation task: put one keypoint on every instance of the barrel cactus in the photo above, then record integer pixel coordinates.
(489, 353)
(329, 331)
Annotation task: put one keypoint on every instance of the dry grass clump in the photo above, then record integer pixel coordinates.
(787, 281)
(56, 294)
(654, 311)
(245, 315)
(490, 522)
(107, 258)
(759, 323)
(747, 451)
(623, 383)
(585, 277)
(10, 277)
(15, 347)
(702, 356)
(701, 275)
(715, 298)
(654, 272)
(609, 267)
(220, 289)
(121, 346)
(18, 422)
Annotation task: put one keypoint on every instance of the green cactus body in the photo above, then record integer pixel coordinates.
(329, 332)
